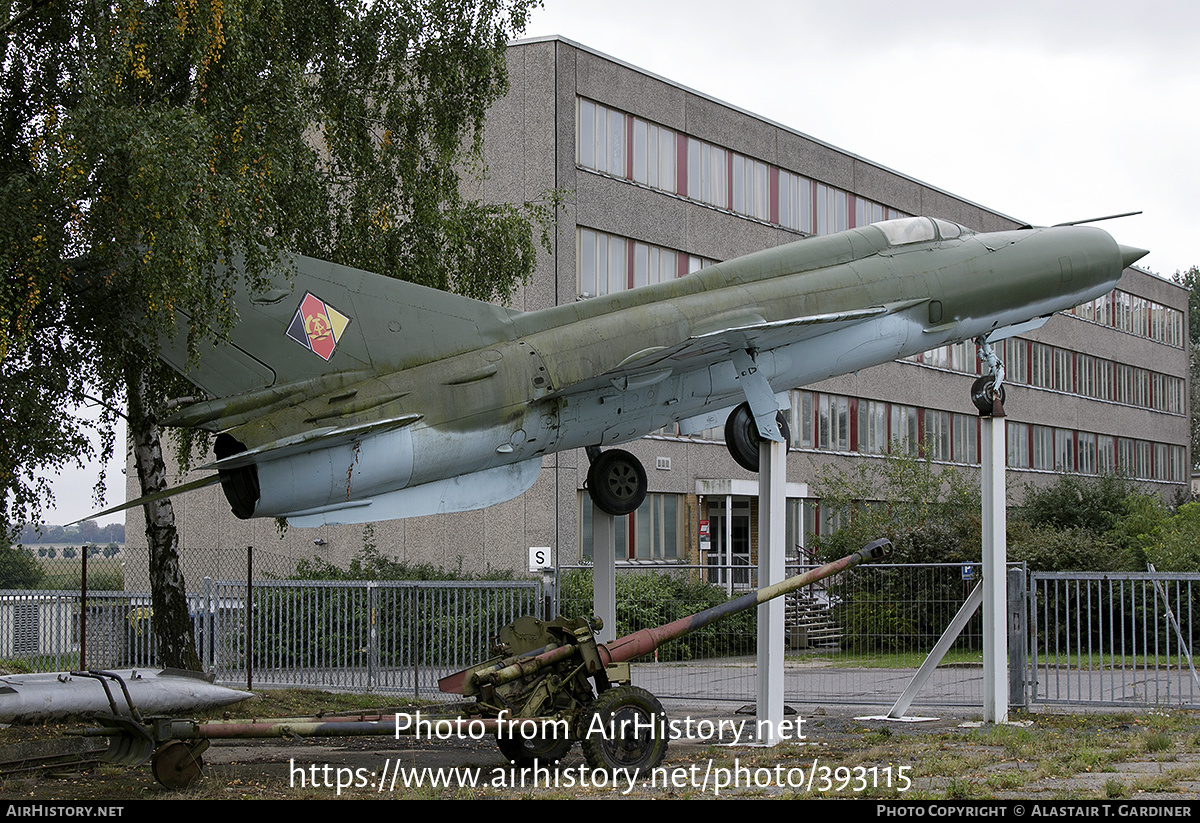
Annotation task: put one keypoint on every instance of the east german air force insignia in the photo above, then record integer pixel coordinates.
(317, 326)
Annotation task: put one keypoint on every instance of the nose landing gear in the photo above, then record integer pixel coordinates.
(987, 392)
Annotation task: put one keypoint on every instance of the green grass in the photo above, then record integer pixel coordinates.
(885, 660)
(967, 657)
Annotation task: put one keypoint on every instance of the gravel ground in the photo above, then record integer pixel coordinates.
(833, 752)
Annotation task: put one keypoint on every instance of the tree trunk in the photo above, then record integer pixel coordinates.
(170, 620)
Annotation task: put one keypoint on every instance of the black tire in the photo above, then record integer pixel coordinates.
(617, 482)
(742, 437)
(541, 751)
(983, 394)
(625, 728)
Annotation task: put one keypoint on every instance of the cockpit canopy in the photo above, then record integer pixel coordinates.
(919, 230)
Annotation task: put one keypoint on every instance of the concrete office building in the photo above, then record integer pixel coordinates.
(663, 181)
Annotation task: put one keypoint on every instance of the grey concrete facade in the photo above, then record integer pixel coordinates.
(531, 148)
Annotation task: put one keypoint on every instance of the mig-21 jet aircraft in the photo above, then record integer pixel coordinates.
(343, 396)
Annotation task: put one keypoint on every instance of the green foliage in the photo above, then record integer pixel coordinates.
(150, 142)
(930, 512)
(1103, 523)
(1047, 549)
(655, 598)
(18, 568)
(369, 564)
(1077, 502)
(1175, 546)
(1190, 280)
(301, 625)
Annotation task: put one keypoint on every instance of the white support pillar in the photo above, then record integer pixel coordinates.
(995, 555)
(604, 572)
(772, 553)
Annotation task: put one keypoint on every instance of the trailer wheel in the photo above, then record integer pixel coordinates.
(540, 751)
(177, 765)
(625, 728)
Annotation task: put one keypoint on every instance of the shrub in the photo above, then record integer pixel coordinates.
(655, 598)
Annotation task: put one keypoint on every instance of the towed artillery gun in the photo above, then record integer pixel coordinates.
(550, 685)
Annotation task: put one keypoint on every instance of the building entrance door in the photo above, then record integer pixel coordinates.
(729, 530)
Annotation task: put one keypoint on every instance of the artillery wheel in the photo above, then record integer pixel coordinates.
(176, 766)
(983, 394)
(742, 437)
(625, 728)
(541, 751)
(617, 483)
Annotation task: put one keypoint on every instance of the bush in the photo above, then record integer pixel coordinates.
(369, 564)
(18, 569)
(1077, 502)
(655, 598)
(1046, 549)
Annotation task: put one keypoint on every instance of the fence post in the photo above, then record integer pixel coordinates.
(248, 610)
(208, 655)
(373, 662)
(1018, 637)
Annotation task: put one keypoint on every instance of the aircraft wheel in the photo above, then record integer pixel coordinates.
(541, 751)
(625, 728)
(983, 394)
(617, 482)
(176, 765)
(742, 437)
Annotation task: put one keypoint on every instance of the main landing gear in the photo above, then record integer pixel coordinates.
(742, 437)
(616, 481)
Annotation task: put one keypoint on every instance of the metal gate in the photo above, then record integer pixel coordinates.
(1113, 638)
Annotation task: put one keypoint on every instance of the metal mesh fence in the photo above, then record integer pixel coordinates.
(1112, 639)
(853, 638)
(379, 636)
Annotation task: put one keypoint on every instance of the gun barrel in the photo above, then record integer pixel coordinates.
(645, 641)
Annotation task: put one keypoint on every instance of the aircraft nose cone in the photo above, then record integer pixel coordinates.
(1131, 254)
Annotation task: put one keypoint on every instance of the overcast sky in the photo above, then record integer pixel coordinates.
(1045, 111)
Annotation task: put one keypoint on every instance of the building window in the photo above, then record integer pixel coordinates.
(938, 436)
(751, 188)
(796, 202)
(1016, 360)
(872, 427)
(603, 264)
(820, 421)
(1088, 458)
(609, 264)
(707, 173)
(906, 428)
(653, 264)
(1135, 315)
(653, 532)
(1018, 445)
(630, 148)
(601, 139)
(653, 156)
(833, 209)
(966, 439)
